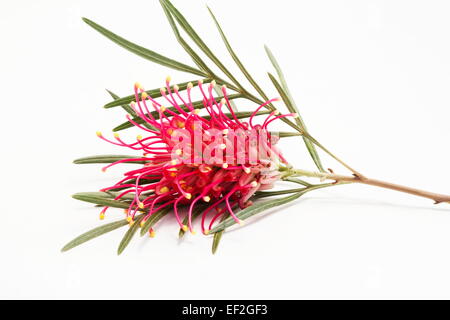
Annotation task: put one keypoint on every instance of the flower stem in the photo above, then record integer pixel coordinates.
(436, 197)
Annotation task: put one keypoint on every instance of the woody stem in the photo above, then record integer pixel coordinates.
(436, 197)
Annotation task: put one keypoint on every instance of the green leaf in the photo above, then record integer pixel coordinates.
(94, 233)
(254, 209)
(129, 235)
(155, 114)
(97, 198)
(263, 194)
(124, 106)
(198, 41)
(195, 57)
(218, 235)
(238, 61)
(262, 206)
(143, 52)
(291, 107)
(107, 158)
(129, 110)
(154, 218)
(298, 181)
(285, 134)
(133, 181)
(154, 93)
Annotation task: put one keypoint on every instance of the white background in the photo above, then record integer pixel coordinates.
(371, 79)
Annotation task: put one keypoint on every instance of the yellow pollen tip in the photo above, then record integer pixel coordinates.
(184, 228)
(162, 90)
(133, 103)
(178, 152)
(102, 216)
(176, 87)
(206, 232)
(162, 108)
(224, 87)
(141, 224)
(141, 205)
(131, 222)
(200, 81)
(138, 85)
(241, 222)
(223, 146)
(164, 190)
(188, 195)
(225, 131)
(295, 115)
(99, 134)
(196, 111)
(144, 95)
(193, 232)
(173, 162)
(254, 184)
(206, 198)
(213, 83)
(129, 218)
(225, 165)
(116, 135)
(190, 85)
(168, 78)
(152, 234)
(276, 112)
(246, 170)
(223, 101)
(139, 137)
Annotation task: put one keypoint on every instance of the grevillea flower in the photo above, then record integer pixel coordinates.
(214, 159)
(202, 159)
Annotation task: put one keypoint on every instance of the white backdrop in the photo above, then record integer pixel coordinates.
(371, 79)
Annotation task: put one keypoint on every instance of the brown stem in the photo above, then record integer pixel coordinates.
(436, 197)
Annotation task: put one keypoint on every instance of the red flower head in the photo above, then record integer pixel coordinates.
(216, 159)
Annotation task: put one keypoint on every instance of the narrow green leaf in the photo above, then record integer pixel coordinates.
(91, 234)
(262, 206)
(154, 218)
(94, 197)
(155, 114)
(238, 61)
(133, 181)
(285, 134)
(198, 41)
(143, 52)
(124, 106)
(129, 235)
(264, 194)
(195, 57)
(218, 235)
(129, 110)
(254, 209)
(154, 93)
(107, 158)
(287, 101)
(298, 181)
(242, 114)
